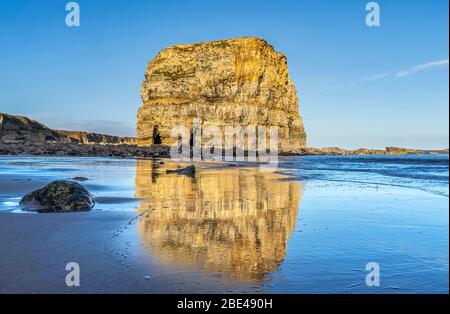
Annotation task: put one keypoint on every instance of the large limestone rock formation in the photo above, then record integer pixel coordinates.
(241, 81)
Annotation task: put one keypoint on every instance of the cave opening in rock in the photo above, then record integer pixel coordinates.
(156, 136)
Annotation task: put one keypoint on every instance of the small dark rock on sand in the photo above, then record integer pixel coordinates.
(59, 196)
(188, 171)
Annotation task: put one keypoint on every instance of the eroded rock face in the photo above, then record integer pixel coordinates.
(21, 130)
(236, 82)
(59, 196)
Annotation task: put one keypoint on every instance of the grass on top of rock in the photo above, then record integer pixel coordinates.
(221, 44)
(174, 76)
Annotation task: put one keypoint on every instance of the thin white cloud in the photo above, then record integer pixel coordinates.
(422, 67)
(412, 70)
(375, 77)
(371, 78)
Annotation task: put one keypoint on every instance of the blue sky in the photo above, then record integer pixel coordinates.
(358, 86)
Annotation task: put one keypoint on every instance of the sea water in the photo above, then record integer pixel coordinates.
(311, 227)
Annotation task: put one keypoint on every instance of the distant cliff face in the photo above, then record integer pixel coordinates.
(18, 130)
(95, 138)
(236, 82)
(22, 130)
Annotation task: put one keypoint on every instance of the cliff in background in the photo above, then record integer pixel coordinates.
(22, 130)
(18, 130)
(96, 138)
(236, 82)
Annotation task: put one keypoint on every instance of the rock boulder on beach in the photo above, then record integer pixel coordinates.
(59, 196)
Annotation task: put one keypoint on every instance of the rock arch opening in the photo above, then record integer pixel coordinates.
(156, 136)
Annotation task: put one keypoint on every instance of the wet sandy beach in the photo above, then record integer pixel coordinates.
(165, 237)
(36, 248)
(231, 229)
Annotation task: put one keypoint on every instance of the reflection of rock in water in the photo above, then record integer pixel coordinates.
(235, 221)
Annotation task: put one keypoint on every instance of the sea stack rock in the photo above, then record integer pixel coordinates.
(235, 82)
